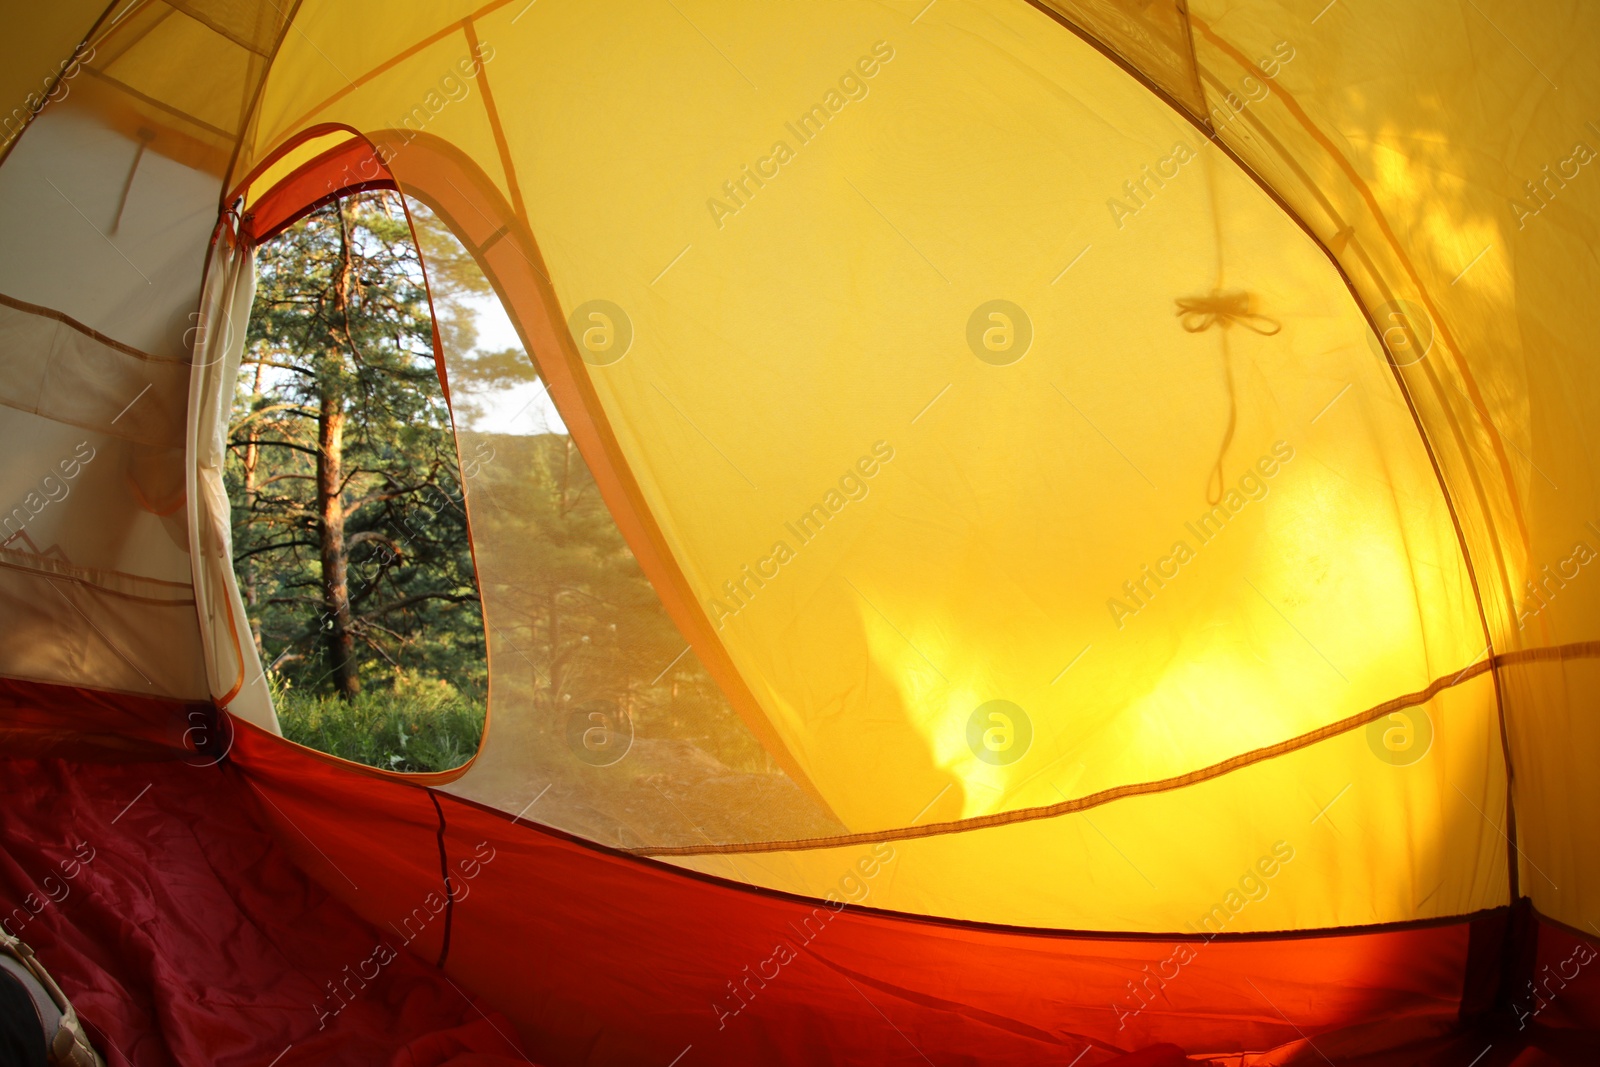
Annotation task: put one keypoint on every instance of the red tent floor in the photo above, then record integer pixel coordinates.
(281, 908)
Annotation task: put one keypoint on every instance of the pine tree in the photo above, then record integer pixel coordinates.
(349, 522)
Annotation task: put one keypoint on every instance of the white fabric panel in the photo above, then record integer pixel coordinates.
(103, 241)
(53, 368)
(233, 666)
(68, 393)
(97, 629)
(95, 585)
(133, 275)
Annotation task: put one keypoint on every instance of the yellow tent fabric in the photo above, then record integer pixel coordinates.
(1104, 444)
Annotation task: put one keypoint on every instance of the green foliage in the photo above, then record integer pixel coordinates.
(417, 725)
(339, 363)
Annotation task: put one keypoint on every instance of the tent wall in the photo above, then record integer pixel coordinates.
(98, 585)
(36, 61)
(864, 662)
(108, 201)
(1453, 183)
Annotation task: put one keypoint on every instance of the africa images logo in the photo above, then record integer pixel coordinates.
(602, 330)
(999, 732)
(999, 333)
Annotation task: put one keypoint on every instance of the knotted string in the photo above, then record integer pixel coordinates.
(1197, 314)
(1200, 313)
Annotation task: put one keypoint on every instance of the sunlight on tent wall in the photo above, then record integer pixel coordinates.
(1195, 353)
(1477, 208)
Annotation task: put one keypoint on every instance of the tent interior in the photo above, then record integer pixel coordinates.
(1126, 468)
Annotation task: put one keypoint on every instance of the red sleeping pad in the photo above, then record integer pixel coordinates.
(185, 936)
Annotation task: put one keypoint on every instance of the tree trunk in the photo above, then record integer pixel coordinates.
(553, 633)
(339, 632)
(339, 628)
(252, 459)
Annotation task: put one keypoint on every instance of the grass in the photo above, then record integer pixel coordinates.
(418, 725)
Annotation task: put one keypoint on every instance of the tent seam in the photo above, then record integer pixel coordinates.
(387, 65)
(449, 887)
(1584, 649)
(250, 112)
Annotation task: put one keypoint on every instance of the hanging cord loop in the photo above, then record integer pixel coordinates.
(1196, 314)
(1200, 313)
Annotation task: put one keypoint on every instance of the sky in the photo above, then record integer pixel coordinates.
(521, 409)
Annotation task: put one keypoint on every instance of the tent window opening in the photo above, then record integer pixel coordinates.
(349, 523)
